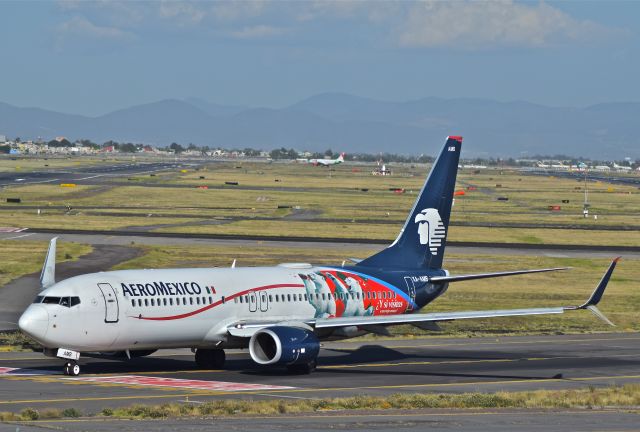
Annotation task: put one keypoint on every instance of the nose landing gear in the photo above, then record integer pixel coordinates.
(71, 368)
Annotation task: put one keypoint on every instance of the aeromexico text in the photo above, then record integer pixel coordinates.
(161, 288)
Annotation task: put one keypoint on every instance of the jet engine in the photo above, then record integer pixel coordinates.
(281, 345)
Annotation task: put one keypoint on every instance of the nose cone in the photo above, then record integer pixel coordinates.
(35, 321)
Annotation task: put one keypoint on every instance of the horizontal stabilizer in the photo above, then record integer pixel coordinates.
(442, 279)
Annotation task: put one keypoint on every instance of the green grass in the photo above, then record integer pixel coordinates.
(18, 258)
(613, 397)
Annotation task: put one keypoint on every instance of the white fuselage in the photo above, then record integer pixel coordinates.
(151, 309)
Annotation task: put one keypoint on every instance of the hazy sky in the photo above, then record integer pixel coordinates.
(92, 57)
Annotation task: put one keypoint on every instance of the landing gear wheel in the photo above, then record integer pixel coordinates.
(218, 358)
(303, 369)
(72, 369)
(210, 358)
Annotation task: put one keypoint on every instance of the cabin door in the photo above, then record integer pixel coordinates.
(264, 301)
(253, 302)
(110, 303)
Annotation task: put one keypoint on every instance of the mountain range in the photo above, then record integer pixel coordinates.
(344, 122)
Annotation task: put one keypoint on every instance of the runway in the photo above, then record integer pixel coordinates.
(88, 174)
(375, 368)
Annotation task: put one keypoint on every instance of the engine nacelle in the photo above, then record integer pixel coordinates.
(284, 345)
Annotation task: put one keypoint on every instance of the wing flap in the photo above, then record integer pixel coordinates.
(430, 317)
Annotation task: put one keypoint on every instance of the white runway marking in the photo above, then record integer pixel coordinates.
(23, 372)
(179, 383)
(17, 237)
(11, 229)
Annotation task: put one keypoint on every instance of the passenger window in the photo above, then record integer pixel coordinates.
(133, 303)
(289, 297)
(197, 300)
(270, 298)
(211, 300)
(305, 297)
(322, 296)
(146, 302)
(241, 299)
(191, 300)
(153, 303)
(299, 297)
(170, 302)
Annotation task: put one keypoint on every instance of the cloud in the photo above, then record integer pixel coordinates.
(80, 26)
(258, 31)
(186, 13)
(80, 33)
(459, 24)
(240, 10)
(482, 24)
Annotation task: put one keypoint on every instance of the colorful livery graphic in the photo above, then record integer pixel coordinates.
(335, 293)
(279, 313)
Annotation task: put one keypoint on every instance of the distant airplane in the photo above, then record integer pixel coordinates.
(327, 162)
(279, 313)
(621, 167)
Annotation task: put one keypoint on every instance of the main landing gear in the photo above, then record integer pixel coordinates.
(71, 368)
(302, 369)
(210, 358)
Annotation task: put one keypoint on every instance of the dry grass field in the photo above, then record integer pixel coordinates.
(347, 201)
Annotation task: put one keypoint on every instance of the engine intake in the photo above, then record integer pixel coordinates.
(284, 345)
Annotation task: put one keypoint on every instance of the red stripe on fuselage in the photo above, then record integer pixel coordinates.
(218, 303)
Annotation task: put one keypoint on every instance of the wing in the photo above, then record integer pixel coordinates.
(247, 328)
(590, 305)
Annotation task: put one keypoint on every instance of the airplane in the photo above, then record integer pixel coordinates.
(621, 167)
(279, 313)
(327, 162)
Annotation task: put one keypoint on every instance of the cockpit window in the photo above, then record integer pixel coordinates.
(62, 301)
(38, 299)
(51, 300)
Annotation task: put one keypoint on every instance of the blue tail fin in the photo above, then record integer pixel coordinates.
(421, 241)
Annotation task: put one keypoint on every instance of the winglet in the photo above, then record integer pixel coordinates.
(597, 294)
(599, 291)
(48, 274)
